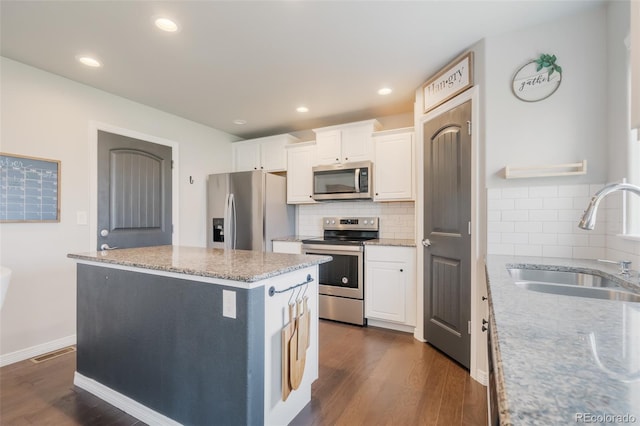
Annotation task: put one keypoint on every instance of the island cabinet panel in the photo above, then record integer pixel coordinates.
(166, 343)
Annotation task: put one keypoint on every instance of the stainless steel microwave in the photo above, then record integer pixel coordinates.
(349, 181)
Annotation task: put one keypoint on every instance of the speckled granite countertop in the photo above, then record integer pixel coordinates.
(236, 265)
(293, 238)
(562, 359)
(391, 242)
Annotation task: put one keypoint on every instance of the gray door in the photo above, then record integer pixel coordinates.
(134, 192)
(447, 216)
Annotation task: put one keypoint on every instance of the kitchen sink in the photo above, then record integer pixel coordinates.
(569, 283)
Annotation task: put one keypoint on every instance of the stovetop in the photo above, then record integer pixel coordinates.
(347, 231)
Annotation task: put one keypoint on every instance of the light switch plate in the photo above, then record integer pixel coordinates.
(81, 218)
(228, 303)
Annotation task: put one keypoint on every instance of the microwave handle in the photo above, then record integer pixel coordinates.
(357, 180)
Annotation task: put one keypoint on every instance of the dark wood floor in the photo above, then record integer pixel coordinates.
(368, 376)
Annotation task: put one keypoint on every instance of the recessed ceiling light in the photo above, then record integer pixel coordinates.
(384, 91)
(89, 61)
(166, 24)
(302, 109)
(239, 121)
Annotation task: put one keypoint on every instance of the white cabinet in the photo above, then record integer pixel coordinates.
(390, 284)
(300, 161)
(292, 247)
(346, 143)
(266, 154)
(393, 169)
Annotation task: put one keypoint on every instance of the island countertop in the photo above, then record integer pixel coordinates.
(562, 359)
(235, 265)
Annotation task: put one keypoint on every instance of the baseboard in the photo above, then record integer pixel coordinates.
(126, 404)
(390, 325)
(480, 377)
(43, 348)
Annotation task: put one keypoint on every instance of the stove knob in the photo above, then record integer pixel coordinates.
(327, 221)
(366, 221)
(333, 222)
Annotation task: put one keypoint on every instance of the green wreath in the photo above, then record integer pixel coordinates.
(548, 62)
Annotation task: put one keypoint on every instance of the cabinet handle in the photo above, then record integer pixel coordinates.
(377, 194)
(310, 196)
(255, 168)
(484, 297)
(261, 167)
(337, 159)
(346, 158)
(401, 270)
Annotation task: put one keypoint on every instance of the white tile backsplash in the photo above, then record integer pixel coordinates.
(543, 221)
(397, 220)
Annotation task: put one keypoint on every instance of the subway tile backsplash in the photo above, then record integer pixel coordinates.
(543, 221)
(397, 220)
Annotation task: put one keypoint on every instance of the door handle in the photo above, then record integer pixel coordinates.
(105, 246)
(426, 242)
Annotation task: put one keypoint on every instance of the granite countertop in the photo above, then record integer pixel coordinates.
(294, 238)
(236, 265)
(562, 359)
(391, 242)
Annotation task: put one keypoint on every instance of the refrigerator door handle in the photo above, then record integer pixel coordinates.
(232, 211)
(225, 225)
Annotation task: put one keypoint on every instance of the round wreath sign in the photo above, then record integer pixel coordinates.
(538, 79)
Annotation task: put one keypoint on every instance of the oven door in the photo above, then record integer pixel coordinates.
(343, 276)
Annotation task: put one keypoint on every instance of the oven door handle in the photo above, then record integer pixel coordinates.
(326, 248)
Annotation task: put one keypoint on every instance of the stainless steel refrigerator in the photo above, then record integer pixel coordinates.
(246, 210)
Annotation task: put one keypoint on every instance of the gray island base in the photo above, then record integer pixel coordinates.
(182, 335)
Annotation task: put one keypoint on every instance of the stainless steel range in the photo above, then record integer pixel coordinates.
(341, 281)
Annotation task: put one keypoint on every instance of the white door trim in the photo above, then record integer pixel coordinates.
(477, 252)
(94, 126)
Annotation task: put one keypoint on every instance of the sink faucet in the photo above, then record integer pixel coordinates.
(588, 220)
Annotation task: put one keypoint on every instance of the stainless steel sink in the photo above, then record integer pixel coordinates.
(569, 283)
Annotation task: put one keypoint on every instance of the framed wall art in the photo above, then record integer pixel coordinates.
(450, 81)
(537, 79)
(29, 189)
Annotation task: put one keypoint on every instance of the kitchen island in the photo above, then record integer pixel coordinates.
(561, 359)
(186, 335)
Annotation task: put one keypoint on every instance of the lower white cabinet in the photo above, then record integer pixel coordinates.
(292, 247)
(390, 284)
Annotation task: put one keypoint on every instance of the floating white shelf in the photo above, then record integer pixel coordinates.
(569, 169)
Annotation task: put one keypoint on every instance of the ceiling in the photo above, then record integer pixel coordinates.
(258, 61)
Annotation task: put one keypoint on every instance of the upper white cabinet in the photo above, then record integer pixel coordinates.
(393, 168)
(266, 154)
(300, 161)
(346, 142)
(390, 284)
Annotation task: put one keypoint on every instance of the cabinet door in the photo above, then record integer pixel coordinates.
(385, 296)
(300, 161)
(328, 147)
(356, 144)
(393, 168)
(246, 156)
(273, 157)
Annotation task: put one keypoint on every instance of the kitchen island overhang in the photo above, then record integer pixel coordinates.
(184, 335)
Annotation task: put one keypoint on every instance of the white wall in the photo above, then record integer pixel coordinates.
(567, 127)
(44, 115)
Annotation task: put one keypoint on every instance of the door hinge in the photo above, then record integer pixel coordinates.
(469, 227)
(469, 128)
(468, 327)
